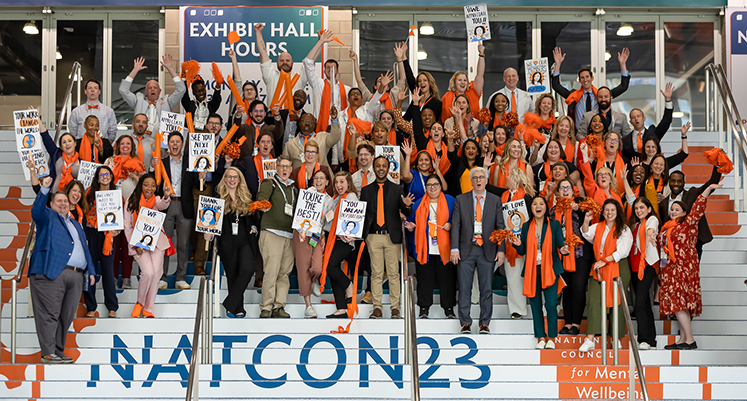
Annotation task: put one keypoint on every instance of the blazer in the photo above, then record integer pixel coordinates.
(463, 229)
(248, 131)
(565, 92)
(393, 194)
(689, 196)
(653, 131)
(620, 124)
(326, 141)
(166, 163)
(54, 244)
(290, 131)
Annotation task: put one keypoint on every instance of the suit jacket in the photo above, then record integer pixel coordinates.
(54, 244)
(653, 131)
(166, 163)
(247, 167)
(463, 228)
(326, 141)
(392, 196)
(524, 102)
(565, 92)
(249, 131)
(688, 197)
(290, 131)
(619, 124)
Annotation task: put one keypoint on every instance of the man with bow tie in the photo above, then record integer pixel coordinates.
(92, 106)
(150, 102)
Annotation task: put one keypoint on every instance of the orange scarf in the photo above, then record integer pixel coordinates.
(93, 222)
(362, 127)
(85, 150)
(123, 165)
(660, 187)
(611, 269)
(302, 180)
(576, 96)
(498, 119)
(448, 101)
(503, 173)
(642, 243)
(444, 164)
(601, 161)
(569, 261)
(331, 238)
(386, 101)
(530, 269)
(568, 149)
(67, 169)
(147, 203)
(260, 166)
(323, 122)
(392, 137)
(422, 224)
(669, 249)
(79, 212)
(511, 254)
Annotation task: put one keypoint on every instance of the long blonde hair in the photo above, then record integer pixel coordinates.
(240, 205)
(519, 178)
(571, 133)
(504, 158)
(431, 83)
(452, 81)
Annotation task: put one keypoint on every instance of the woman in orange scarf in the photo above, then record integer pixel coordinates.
(461, 85)
(600, 184)
(303, 175)
(544, 107)
(100, 243)
(63, 160)
(514, 155)
(612, 240)
(431, 223)
(497, 105)
(91, 147)
(553, 153)
(644, 266)
(680, 271)
(612, 159)
(565, 133)
(636, 185)
(541, 239)
(462, 120)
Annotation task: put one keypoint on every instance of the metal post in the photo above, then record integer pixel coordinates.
(209, 327)
(415, 381)
(603, 284)
(709, 108)
(204, 324)
(13, 312)
(615, 325)
(408, 318)
(631, 373)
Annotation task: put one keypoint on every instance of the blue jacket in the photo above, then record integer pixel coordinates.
(54, 244)
(411, 219)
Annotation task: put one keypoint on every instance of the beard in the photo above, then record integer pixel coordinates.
(604, 105)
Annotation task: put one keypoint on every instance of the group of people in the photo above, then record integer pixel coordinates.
(586, 198)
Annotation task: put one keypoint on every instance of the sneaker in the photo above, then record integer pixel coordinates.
(65, 359)
(265, 314)
(316, 289)
(644, 346)
(423, 313)
(466, 329)
(137, 310)
(449, 312)
(550, 344)
(51, 359)
(516, 316)
(619, 344)
(540, 344)
(484, 329)
(395, 314)
(126, 283)
(376, 314)
(367, 298)
(163, 284)
(309, 313)
(280, 313)
(587, 346)
(182, 285)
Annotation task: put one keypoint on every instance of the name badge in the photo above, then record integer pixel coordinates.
(303, 158)
(330, 215)
(478, 229)
(662, 257)
(255, 151)
(235, 228)
(288, 210)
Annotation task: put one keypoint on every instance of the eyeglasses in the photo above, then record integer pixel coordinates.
(104, 175)
(613, 140)
(479, 178)
(232, 177)
(566, 188)
(284, 166)
(213, 123)
(311, 152)
(433, 185)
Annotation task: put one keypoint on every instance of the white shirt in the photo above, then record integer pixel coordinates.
(176, 176)
(624, 242)
(367, 112)
(317, 88)
(271, 75)
(652, 254)
(358, 178)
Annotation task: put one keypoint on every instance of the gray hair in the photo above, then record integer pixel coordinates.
(477, 170)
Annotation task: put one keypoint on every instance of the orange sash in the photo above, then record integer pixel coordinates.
(444, 164)
(386, 101)
(568, 149)
(392, 137)
(67, 169)
(569, 261)
(642, 243)
(422, 225)
(611, 269)
(447, 101)
(618, 170)
(260, 166)
(79, 212)
(576, 96)
(302, 180)
(85, 150)
(511, 254)
(669, 249)
(530, 269)
(503, 173)
(123, 165)
(331, 238)
(323, 122)
(660, 187)
(147, 203)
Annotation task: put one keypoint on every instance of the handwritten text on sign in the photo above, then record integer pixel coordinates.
(309, 209)
(109, 210)
(478, 26)
(171, 122)
(209, 215)
(27, 130)
(147, 229)
(351, 217)
(201, 152)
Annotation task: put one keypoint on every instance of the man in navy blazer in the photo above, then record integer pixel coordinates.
(58, 269)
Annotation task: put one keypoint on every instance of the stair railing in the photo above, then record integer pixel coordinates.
(75, 71)
(193, 362)
(411, 332)
(212, 301)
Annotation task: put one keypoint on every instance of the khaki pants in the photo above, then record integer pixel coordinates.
(384, 255)
(277, 253)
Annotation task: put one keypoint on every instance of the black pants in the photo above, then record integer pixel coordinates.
(574, 294)
(644, 313)
(96, 246)
(258, 262)
(428, 273)
(238, 264)
(340, 281)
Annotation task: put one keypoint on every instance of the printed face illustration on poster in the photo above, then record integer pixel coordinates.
(109, 210)
(171, 122)
(309, 210)
(86, 171)
(40, 162)
(147, 229)
(538, 80)
(392, 154)
(27, 130)
(515, 215)
(201, 152)
(478, 26)
(351, 217)
(209, 215)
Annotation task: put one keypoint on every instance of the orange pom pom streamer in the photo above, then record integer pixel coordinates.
(217, 75)
(484, 116)
(257, 205)
(190, 69)
(233, 37)
(563, 204)
(718, 157)
(226, 140)
(574, 241)
(589, 205)
(499, 235)
(233, 150)
(510, 119)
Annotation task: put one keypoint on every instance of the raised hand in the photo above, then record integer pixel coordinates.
(353, 56)
(635, 161)
(258, 27)
(408, 200)
(407, 148)
(622, 58)
(667, 92)
(326, 36)
(436, 163)
(47, 181)
(416, 95)
(587, 218)
(139, 64)
(481, 49)
(487, 161)
(402, 95)
(685, 128)
(333, 112)
(385, 80)
(559, 56)
(167, 61)
(400, 50)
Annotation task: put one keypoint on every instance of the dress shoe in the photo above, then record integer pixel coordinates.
(91, 314)
(575, 330)
(550, 344)
(337, 316)
(200, 271)
(449, 313)
(395, 314)
(423, 313)
(484, 329)
(137, 310)
(265, 314)
(280, 313)
(367, 298)
(565, 330)
(376, 314)
(466, 329)
(112, 314)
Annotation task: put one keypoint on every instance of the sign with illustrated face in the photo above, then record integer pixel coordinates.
(478, 26)
(86, 172)
(40, 162)
(351, 218)
(147, 229)
(538, 80)
(209, 215)
(109, 212)
(515, 215)
(171, 122)
(201, 152)
(309, 211)
(392, 154)
(26, 124)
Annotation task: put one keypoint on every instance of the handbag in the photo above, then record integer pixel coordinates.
(171, 250)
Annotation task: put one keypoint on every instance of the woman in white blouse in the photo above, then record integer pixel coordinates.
(644, 266)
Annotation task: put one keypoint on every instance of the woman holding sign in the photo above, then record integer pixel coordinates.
(100, 243)
(63, 159)
(233, 247)
(150, 262)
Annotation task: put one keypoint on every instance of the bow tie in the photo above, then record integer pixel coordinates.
(93, 107)
(153, 102)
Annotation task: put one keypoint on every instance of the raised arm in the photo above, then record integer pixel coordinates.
(325, 37)
(666, 119)
(235, 64)
(406, 173)
(260, 42)
(480, 75)
(357, 70)
(683, 136)
(400, 50)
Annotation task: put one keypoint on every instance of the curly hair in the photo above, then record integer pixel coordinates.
(239, 205)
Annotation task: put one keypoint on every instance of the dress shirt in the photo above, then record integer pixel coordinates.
(624, 242)
(139, 102)
(78, 257)
(105, 114)
(176, 176)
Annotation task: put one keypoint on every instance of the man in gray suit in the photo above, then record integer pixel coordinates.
(476, 214)
(616, 122)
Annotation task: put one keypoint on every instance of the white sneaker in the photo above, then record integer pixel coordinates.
(182, 285)
(126, 283)
(315, 289)
(540, 344)
(550, 344)
(309, 313)
(644, 346)
(587, 346)
(619, 344)
(162, 285)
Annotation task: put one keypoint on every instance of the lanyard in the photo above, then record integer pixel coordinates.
(420, 175)
(293, 195)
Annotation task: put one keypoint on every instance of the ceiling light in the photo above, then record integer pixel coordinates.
(678, 114)
(422, 55)
(30, 28)
(625, 30)
(607, 56)
(427, 29)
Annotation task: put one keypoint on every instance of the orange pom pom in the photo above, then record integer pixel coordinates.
(589, 205)
(563, 204)
(510, 119)
(574, 241)
(217, 75)
(233, 150)
(484, 116)
(718, 157)
(258, 205)
(233, 37)
(190, 69)
(593, 141)
(532, 120)
(499, 235)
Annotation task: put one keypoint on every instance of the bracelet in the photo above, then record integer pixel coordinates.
(482, 55)
(683, 137)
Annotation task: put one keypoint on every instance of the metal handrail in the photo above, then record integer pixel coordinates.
(32, 226)
(415, 380)
(212, 293)
(633, 344)
(195, 339)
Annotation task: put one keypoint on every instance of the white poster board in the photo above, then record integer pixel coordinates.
(515, 215)
(269, 168)
(147, 229)
(478, 26)
(351, 218)
(27, 130)
(392, 154)
(171, 122)
(309, 210)
(209, 215)
(40, 162)
(86, 172)
(109, 212)
(201, 152)
(538, 79)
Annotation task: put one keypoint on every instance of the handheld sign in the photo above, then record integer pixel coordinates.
(515, 215)
(537, 78)
(269, 168)
(209, 215)
(201, 152)
(86, 171)
(309, 210)
(351, 217)
(27, 130)
(478, 26)
(392, 154)
(40, 162)
(171, 122)
(147, 229)
(109, 210)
